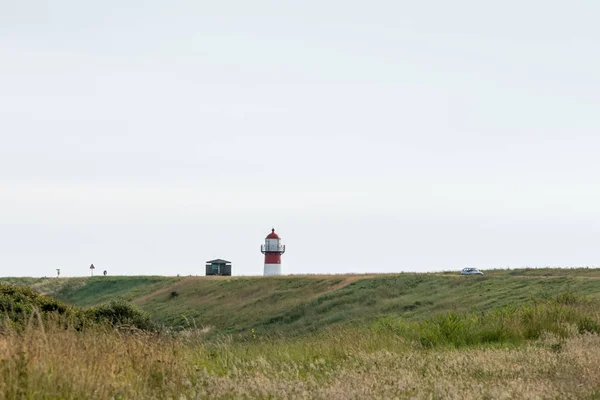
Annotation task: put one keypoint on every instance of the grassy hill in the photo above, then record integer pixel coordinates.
(393, 336)
(293, 305)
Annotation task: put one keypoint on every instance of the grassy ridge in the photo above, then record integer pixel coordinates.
(295, 305)
(84, 292)
(403, 336)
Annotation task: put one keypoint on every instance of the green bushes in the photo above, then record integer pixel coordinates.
(120, 313)
(19, 304)
(507, 325)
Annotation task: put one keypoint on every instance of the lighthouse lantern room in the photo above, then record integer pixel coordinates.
(272, 249)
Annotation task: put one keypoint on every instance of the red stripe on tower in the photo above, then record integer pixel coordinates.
(272, 249)
(272, 258)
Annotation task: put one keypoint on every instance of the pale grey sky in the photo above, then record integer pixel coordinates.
(148, 137)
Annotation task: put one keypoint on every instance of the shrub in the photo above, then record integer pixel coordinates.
(587, 324)
(120, 313)
(568, 298)
(18, 303)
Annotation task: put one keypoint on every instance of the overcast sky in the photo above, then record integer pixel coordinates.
(147, 137)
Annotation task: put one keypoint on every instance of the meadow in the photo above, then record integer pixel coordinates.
(419, 340)
(298, 305)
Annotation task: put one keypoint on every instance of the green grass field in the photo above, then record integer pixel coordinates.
(525, 334)
(296, 305)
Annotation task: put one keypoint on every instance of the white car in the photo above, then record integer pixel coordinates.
(471, 271)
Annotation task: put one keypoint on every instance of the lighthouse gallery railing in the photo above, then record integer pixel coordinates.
(272, 249)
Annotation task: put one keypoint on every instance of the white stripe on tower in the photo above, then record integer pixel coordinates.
(272, 269)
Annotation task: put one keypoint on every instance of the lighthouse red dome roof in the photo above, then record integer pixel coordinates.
(272, 235)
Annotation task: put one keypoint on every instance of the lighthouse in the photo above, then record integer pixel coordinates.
(272, 249)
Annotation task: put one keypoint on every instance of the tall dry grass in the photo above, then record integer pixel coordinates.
(45, 360)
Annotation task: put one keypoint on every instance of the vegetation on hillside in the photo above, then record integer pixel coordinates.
(21, 306)
(297, 305)
(90, 291)
(47, 361)
(19, 303)
(509, 325)
(399, 336)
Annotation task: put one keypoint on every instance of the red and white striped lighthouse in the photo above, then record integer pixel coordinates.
(272, 249)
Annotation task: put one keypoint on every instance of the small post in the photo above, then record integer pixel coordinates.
(58, 272)
(92, 268)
